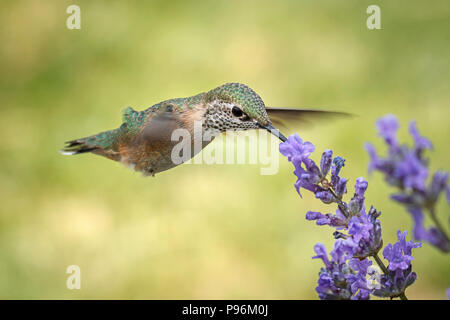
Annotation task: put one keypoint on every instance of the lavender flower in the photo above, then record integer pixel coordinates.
(432, 235)
(343, 277)
(420, 142)
(338, 162)
(325, 161)
(447, 192)
(296, 150)
(400, 275)
(364, 229)
(406, 168)
(308, 173)
(357, 231)
(387, 128)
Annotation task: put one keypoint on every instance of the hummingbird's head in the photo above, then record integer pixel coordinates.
(234, 106)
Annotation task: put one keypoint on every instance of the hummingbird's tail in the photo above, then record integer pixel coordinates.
(77, 146)
(103, 143)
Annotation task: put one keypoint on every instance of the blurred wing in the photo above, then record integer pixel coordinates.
(293, 118)
(160, 127)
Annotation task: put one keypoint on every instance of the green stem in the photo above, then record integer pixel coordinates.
(437, 223)
(341, 204)
(386, 272)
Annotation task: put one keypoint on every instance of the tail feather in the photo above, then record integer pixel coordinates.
(103, 143)
(77, 147)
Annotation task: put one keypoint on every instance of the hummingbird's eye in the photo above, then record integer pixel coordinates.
(236, 112)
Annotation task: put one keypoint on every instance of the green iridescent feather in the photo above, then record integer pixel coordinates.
(239, 93)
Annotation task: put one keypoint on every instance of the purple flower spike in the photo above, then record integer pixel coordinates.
(313, 171)
(342, 277)
(359, 229)
(447, 193)
(408, 199)
(406, 168)
(394, 254)
(341, 251)
(356, 204)
(365, 231)
(325, 196)
(337, 220)
(373, 164)
(432, 235)
(325, 162)
(407, 246)
(296, 150)
(307, 172)
(361, 187)
(387, 128)
(339, 184)
(358, 281)
(399, 254)
(321, 252)
(358, 234)
(400, 274)
(411, 172)
(338, 162)
(437, 185)
(321, 219)
(420, 142)
(341, 187)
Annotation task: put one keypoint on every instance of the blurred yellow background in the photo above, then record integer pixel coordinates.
(210, 231)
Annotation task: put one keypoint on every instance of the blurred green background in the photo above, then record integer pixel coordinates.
(209, 231)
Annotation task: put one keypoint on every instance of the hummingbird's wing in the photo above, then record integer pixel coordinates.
(160, 127)
(290, 118)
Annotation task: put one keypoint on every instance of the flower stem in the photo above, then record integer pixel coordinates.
(341, 204)
(386, 272)
(380, 263)
(438, 224)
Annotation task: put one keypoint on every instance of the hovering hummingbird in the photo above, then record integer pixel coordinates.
(143, 141)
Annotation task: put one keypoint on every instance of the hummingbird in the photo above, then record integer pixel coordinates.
(143, 142)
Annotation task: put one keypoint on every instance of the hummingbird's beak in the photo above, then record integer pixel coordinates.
(269, 127)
